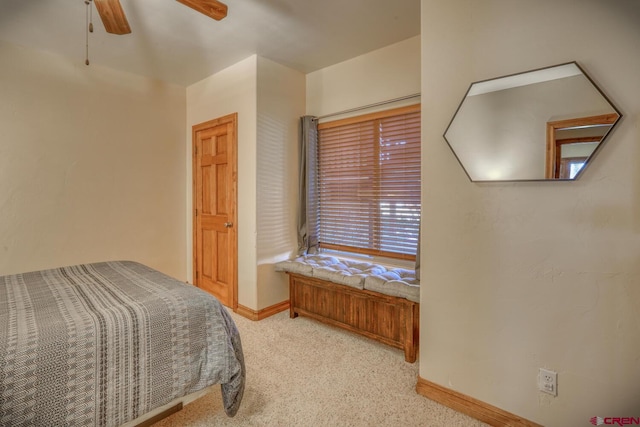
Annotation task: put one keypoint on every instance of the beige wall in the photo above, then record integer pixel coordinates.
(521, 276)
(92, 165)
(380, 75)
(269, 99)
(232, 90)
(281, 102)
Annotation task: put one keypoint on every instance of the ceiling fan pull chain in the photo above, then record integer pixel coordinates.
(90, 18)
(88, 28)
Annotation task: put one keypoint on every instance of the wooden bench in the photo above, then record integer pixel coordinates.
(388, 319)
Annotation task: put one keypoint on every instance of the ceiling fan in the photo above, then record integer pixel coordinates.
(115, 21)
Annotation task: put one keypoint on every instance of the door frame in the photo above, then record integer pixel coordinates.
(551, 167)
(232, 195)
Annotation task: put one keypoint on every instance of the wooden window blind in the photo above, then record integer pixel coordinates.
(369, 183)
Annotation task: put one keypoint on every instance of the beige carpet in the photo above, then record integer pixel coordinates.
(303, 373)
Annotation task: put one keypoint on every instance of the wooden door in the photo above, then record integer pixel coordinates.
(215, 237)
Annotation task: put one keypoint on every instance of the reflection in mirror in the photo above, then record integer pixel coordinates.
(570, 143)
(537, 125)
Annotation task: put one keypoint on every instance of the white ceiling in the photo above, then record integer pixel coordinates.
(172, 42)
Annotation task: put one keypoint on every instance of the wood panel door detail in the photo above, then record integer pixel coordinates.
(215, 236)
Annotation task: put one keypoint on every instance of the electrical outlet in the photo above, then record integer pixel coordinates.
(548, 381)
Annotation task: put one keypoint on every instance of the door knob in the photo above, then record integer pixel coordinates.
(228, 224)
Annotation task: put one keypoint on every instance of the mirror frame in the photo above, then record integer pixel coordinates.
(551, 127)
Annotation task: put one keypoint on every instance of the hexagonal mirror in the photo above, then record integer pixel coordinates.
(545, 124)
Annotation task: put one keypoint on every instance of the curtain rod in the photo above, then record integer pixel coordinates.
(364, 107)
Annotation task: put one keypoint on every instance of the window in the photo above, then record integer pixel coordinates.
(570, 166)
(369, 183)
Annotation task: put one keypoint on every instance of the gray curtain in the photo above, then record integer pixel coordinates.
(308, 194)
(418, 252)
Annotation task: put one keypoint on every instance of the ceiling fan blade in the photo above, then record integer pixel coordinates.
(112, 15)
(212, 8)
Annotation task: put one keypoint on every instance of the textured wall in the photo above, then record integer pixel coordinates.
(281, 102)
(232, 90)
(380, 75)
(521, 276)
(91, 165)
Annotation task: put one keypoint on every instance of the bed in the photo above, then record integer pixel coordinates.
(104, 344)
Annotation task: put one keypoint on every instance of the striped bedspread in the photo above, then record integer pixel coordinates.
(102, 344)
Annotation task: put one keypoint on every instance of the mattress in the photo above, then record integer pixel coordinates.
(105, 343)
